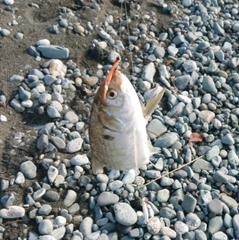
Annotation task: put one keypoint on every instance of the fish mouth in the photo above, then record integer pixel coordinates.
(109, 78)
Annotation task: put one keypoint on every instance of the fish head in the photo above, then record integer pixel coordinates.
(116, 100)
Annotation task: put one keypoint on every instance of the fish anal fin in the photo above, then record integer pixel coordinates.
(97, 165)
(152, 104)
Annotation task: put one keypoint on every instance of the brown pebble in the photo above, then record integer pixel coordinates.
(78, 82)
(203, 106)
(223, 189)
(41, 110)
(91, 81)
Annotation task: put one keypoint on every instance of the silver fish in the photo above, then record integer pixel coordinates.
(117, 127)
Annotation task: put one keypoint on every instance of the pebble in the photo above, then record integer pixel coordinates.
(215, 206)
(79, 160)
(45, 227)
(53, 51)
(12, 212)
(28, 169)
(167, 140)
(125, 214)
(148, 72)
(107, 198)
(154, 225)
(70, 198)
(57, 68)
(192, 221)
(86, 226)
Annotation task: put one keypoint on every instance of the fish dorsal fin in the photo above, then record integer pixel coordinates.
(152, 104)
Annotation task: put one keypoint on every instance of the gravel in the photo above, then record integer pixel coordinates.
(196, 60)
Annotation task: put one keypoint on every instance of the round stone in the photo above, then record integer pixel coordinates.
(125, 214)
(45, 227)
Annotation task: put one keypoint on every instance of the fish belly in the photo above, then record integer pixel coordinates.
(118, 150)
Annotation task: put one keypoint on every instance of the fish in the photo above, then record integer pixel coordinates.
(117, 125)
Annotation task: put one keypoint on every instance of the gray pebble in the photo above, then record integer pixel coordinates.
(192, 221)
(148, 72)
(209, 85)
(107, 198)
(189, 203)
(74, 145)
(45, 227)
(53, 51)
(215, 206)
(70, 198)
(53, 112)
(167, 140)
(125, 214)
(154, 225)
(29, 169)
(58, 143)
(215, 224)
(86, 226)
(12, 212)
(16, 105)
(79, 160)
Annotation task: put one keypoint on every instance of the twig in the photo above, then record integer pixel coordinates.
(194, 160)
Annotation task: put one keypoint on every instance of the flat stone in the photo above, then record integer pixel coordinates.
(219, 236)
(52, 112)
(58, 143)
(167, 212)
(59, 232)
(156, 128)
(229, 201)
(167, 140)
(53, 51)
(189, 203)
(129, 177)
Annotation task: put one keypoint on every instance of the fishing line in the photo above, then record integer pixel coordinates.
(127, 29)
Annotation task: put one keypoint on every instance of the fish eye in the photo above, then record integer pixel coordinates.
(111, 94)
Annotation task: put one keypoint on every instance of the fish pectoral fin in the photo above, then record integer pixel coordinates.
(97, 165)
(152, 104)
(111, 122)
(152, 149)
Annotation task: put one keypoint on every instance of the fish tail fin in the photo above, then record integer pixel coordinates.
(97, 166)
